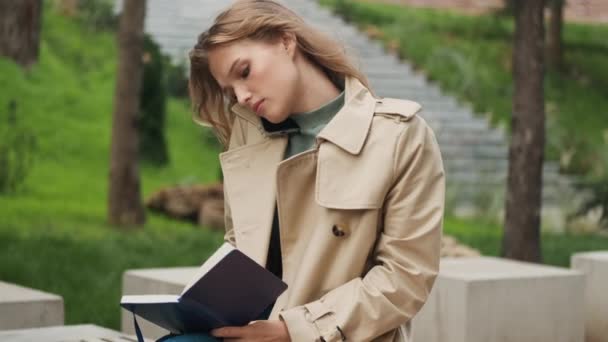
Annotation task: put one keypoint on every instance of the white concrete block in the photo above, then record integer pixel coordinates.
(595, 267)
(152, 281)
(70, 333)
(488, 299)
(22, 307)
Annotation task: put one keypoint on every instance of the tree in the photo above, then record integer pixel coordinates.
(20, 22)
(152, 142)
(124, 200)
(521, 239)
(554, 38)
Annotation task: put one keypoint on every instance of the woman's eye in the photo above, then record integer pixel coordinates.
(245, 72)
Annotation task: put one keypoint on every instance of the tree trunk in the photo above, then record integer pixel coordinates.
(524, 185)
(124, 201)
(20, 22)
(554, 43)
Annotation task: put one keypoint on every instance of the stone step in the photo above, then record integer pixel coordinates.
(483, 195)
(469, 140)
(446, 115)
(496, 177)
(490, 165)
(594, 265)
(447, 105)
(73, 333)
(394, 72)
(459, 126)
(402, 82)
(497, 168)
(493, 195)
(22, 307)
(516, 301)
(462, 136)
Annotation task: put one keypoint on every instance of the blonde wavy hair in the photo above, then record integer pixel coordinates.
(262, 20)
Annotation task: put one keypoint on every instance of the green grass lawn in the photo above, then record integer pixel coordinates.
(470, 58)
(556, 248)
(53, 232)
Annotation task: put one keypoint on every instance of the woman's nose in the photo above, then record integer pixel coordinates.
(242, 96)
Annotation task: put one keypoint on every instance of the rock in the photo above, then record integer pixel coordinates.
(185, 202)
(373, 32)
(393, 46)
(450, 247)
(211, 214)
(448, 241)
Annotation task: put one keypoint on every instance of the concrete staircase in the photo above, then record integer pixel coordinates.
(475, 154)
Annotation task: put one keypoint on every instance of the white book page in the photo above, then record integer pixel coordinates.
(210, 263)
(149, 299)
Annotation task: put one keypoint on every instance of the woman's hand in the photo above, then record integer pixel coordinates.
(266, 331)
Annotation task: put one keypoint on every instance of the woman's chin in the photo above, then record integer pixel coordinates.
(274, 118)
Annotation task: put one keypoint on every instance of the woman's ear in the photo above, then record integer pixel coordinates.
(288, 40)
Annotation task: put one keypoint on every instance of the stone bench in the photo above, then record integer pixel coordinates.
(595, 267)
(152, 281)
(483, 299)
(22, 307)
(69, 333)
(476, 299)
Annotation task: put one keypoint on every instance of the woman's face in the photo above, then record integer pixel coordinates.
(261, 76)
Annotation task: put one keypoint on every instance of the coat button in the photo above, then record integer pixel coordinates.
(337, 231)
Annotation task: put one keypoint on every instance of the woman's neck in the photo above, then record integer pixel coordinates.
(314, 88)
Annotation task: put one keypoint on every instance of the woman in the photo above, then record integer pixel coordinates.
(339, 193)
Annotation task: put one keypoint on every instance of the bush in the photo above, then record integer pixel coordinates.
(98, 14)
(596, 188)
(17, 145)
(177, 80)
(153, 144)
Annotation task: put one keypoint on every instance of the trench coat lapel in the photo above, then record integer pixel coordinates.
(250, 182)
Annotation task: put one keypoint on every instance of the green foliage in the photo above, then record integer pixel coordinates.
(177, 80)
(85, 263)
(508, 8)
(596, 186)
(17, 146)
(97, 15)
(53, 232)
(152, 143)
(470, 58)
(556, 248)
(598, 199)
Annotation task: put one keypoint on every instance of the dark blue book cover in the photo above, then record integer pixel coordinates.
(229, 289)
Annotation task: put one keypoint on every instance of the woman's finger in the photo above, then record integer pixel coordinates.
(230, 332)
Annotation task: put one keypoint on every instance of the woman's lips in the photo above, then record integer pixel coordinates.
(258, 106)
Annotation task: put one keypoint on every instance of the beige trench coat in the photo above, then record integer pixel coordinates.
(360, 216)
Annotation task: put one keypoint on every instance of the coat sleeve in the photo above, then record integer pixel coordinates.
(406, 254)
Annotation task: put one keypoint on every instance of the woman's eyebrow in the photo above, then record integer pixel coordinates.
(233, 65)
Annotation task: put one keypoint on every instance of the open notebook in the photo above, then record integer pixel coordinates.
(229, 289)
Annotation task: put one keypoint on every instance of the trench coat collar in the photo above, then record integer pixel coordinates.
(348, 129)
